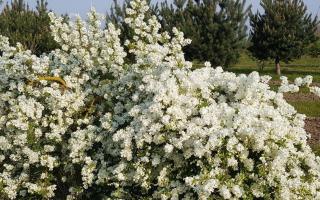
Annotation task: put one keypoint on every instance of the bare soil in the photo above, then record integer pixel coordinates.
(301, 97)
(312, 126)
(278, 82)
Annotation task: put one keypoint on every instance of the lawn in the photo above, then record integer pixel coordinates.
(297, 68)
(310, 108)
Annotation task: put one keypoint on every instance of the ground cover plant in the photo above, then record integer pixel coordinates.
(83, 122)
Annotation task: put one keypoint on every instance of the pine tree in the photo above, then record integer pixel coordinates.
(217, 27)
(314, 49)
(282, 32)
(29, 27)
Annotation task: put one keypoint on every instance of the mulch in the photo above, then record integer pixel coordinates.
(312, 126)
(301, 97)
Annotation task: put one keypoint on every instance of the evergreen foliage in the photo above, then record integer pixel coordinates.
(314, 49)
(27, 26)
(216, 27)
(283, 31)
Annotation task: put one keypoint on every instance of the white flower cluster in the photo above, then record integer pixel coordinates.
(298, 82)
(82, 122)
(315, 90)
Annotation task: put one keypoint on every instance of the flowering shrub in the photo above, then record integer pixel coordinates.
(82, 122)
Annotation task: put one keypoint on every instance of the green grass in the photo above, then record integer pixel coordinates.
(316, 149)
(309, 108)
(297, 68)
(305, 61)
(302, 90)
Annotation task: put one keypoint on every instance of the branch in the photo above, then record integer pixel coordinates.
(51, 78)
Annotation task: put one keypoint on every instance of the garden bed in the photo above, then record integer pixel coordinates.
(312, 126)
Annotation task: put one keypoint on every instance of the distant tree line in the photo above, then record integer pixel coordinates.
(216, 27)
(282, 31)
(30, 27)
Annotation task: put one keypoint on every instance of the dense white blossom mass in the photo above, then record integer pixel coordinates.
(84, 122)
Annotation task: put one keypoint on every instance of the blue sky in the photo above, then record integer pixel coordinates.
(82, 6)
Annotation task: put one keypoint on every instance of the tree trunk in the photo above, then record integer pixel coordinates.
(278, 68)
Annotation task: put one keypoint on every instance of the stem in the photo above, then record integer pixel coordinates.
(51, 78)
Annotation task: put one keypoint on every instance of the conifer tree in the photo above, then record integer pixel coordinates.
(29, 27)
(281, 32)
(217, 27)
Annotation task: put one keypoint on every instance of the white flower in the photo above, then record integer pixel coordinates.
(168, 148)
(236, 190)
(307, 80)
(156, 160)
(86, 111)
(298, 81)
(210, 186)
(207, 64)
(315, 90)
(232, 162)
(225, 192)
